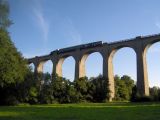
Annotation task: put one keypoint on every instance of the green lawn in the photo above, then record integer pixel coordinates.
(103, 111)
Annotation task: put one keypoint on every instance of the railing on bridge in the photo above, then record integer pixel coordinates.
(131, 39)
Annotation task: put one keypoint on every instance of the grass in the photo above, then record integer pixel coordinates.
(88, 111)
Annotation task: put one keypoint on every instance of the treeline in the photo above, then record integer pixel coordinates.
(44, 90)
(58, 90)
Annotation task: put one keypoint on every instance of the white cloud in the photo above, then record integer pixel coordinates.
(75, 34)
(40, 19)
(72, 32)
(42, 22)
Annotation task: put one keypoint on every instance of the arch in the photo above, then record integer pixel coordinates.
(94, 63)
(151, 50)
(149, 44)
(32, 67)
(60, 64)
(48, 66)
(110, 68)
(47, 71)
(82, 63)
(112, 54)
(129, 59)
(68, 68)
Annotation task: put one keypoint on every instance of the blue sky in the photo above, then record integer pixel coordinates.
(41, 26)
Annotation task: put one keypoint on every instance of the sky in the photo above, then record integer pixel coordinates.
(41, 26)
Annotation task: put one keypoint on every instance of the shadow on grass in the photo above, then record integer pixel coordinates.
(110, 111)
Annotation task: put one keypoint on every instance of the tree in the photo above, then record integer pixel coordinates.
(81, 88)
(123, 87)
(101, 92)
(129, 82)
(121, 90)
(72, 96)
(46, 92)
(27, 91)
(60, 89)
(154, 93)
(13, 67)
(5, 22)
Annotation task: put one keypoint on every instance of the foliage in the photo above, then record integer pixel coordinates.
(13, 66)
(100, 89)
(123, 87)
(4, 13)
(155, 93)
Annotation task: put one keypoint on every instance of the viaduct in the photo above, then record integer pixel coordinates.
(80, 53)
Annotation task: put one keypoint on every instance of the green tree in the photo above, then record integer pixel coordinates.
(154, 93)
(13, 67)
(60, 89)
(28, 91)
(101, 89)
(121, 90)
(129, 82)
(46, 92)
(81, 88)
(123, 87)
(5, 22)
(72, 96)
(47, 78)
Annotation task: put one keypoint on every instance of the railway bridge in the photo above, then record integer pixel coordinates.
(80, 53)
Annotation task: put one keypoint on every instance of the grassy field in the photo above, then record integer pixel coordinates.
(92, 111)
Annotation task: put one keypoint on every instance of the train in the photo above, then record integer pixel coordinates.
(90, 45)
(81, 47)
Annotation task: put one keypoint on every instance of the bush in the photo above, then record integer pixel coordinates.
(11, 100)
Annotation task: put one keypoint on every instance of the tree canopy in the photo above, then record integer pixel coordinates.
(12, 65)
(5, 22)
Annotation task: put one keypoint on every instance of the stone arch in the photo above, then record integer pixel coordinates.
(82, 70)
(68, 68)
(147, 53)
(142, 74)
(147, 45)
(94, 64)
(48, 66)
(110, 70)
(60, 63)
(124, 56)
(113, 52)
(47, 71)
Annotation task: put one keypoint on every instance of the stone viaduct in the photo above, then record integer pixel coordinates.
(80, 53)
